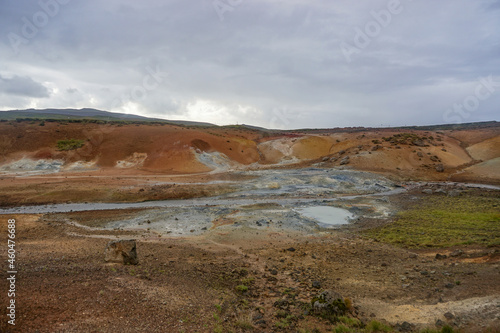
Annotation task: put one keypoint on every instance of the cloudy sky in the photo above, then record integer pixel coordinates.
(270, 63)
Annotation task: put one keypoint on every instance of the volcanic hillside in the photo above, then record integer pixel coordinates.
(465, 153)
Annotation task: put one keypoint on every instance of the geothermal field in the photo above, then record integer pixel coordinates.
(150, 226)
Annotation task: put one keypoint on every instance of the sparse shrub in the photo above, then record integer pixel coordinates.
(69, 144)
(376, 326)
(242, 288)
(447, 329)
(342, 329)
(349, 321)
(244, 322)
(282, 323)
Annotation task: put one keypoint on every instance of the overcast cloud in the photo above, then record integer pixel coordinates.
(280, 64)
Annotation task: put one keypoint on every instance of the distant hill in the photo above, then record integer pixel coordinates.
(87, 113)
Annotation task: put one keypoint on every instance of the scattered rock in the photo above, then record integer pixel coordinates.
(413, 255)
(261, 322)
(329, 303)
(439, 168)
(419, 154)
(342, 152)
(419, 143)
(449, 315)
(345, 160)
(434, 158)
(456, 253)
(326, 158)
(405, 327)
(274, 272)
(440, 323)
(441, 256)
(281, 304)
(375, 148)
(122, 251)
(454, 193)
(316, 284)
(449, 285)
(427, 191)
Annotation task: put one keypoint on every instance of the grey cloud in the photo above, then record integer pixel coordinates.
(265, 56)
(23, 86)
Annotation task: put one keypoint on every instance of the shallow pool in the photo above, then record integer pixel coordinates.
(327, 215)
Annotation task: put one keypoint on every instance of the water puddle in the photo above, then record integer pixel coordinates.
(327, 215)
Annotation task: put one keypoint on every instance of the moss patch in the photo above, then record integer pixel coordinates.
(440, 221)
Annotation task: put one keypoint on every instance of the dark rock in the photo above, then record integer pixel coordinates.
(274, 272)
(324, 159)
(439, 168)
(316, 284)
(419, 143)
(441, 256)
(375, 148)
(424, 273)
(456, 253)
(261, 322)
(413, 255)
(419, 154)
(122, 251)
(291, 249)
(440, 323)
(281, 304)
(329, 303)
(449, 285)
(257, 317)
(434, 158)
(449, 315)
(342, 152)
(345, 160)
(405, 327)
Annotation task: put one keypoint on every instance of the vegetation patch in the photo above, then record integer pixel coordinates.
(69, 144)
(440, 221)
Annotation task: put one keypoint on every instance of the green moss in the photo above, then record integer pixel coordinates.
(440, 221)
(241, 288)
(69, 144)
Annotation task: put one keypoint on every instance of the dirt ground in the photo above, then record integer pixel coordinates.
(193, 284)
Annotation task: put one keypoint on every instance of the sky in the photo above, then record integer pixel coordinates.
(272, 63)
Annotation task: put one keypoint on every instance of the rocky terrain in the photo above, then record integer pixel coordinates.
(240, 229)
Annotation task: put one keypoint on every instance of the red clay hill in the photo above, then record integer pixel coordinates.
(468, 152)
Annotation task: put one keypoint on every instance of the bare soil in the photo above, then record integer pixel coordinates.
(189, 284)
